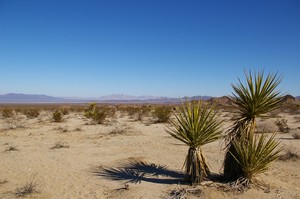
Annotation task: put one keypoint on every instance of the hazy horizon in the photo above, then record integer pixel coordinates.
(171, 48)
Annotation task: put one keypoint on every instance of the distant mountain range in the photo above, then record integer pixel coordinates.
(116, 98)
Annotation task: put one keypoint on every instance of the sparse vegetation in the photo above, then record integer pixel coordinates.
(162, 114)
(266, 127)
(31, 113)
(289, 154)
(296, 136)
(282, 125)
(29, 188)
(13, 123)
(57, 116)
(7, 112)
(195, 125)
(60, 145)
(64, 110)
(95, 113)
(182, 193)
(11, 148)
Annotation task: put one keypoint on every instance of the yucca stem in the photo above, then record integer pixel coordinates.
(196, 167)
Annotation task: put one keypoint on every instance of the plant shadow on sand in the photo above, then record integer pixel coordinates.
(138, 171)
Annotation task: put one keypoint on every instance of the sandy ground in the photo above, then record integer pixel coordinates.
(99, 161)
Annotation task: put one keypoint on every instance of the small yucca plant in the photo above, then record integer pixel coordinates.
(195, 125)
(254, 154)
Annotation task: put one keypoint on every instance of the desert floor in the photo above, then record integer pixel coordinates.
(74, 159)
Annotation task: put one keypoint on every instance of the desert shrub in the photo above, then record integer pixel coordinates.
(31, 113)
(110, 111)
(132, 111)
(162, 114)
(11, 148)
(7, 112)
(289, 154)
(28, 188)
(57, 116)
(64, 110)
(282, 125)
(296, 136)
(60, 145)
(95, 113)
(266, 127)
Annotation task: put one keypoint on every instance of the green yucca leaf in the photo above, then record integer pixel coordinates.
(195, 124)
(255, 153)
(258, 96)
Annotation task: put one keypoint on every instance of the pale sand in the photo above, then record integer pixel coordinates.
(77, 171)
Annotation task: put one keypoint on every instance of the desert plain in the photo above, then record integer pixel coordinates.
(128, 156)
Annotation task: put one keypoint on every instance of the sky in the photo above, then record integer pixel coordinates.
(175, 48)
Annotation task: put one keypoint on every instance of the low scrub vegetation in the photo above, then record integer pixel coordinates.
(11, 148)
(64, 110)
(60, 145)
(296, 136)
(57, 116)
(7, 112)
(289, 154)
(97, 114)
(162, 114)
(31, 113)
(28, 188)
(282, 125)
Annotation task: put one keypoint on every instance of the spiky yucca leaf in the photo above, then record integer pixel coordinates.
(255, 153)
(195, 124)
(258, 96)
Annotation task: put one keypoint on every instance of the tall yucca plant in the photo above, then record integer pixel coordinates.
(253, 99)
(195, 125)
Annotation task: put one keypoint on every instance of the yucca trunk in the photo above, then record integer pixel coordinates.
(232, 169)
(196, 167)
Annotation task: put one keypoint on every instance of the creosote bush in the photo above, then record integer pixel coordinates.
(162, 114)
(64, 110)
(282, 125)
(7, 112)
(57, 116)
(95, 113)
(31, 113)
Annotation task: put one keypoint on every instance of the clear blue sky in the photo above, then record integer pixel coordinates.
(145, 47)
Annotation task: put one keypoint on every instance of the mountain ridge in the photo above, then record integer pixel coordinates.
(114, 98)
